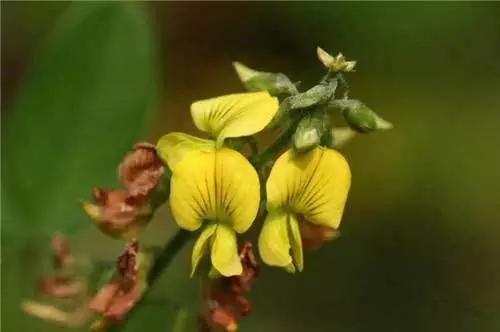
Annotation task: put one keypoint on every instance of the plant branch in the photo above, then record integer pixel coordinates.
(169, 251)
(276, 147)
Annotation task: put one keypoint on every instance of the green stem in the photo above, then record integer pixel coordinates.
(275, 148)
(344, 84)
(161, 262)
(170, 250)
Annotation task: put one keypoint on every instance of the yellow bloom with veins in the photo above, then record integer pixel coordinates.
(311, 186)
(213, 187)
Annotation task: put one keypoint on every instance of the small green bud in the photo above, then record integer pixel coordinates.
(312, 130)
(360, 117)
(317, 95)
(306, 137)
(336, 64)
(275, 83)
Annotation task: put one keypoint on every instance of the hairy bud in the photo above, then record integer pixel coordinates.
(360, 117)
(275, 83)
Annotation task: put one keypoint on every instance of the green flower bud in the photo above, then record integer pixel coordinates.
(360, 117)
(317, 95)
(306, 137)
(275, 83)
(312, 130)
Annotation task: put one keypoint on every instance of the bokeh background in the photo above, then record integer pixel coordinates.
(420, 240)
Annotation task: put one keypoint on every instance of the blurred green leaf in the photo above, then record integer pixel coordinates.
(84, 103)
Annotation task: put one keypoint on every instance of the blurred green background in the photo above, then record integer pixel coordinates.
(420, 240)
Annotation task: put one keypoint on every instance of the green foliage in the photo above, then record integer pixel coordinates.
(84, 103)
(81, 108)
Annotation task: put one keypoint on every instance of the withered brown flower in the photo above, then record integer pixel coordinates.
(314, 235)
(122, 213)
(117, 213)
(116, 298)
(66, 282)
(225, 298)
(141, 169)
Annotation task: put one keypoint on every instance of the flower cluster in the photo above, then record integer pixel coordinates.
(294, 191)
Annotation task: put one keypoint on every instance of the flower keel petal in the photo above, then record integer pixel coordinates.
(200, 246)
(274, 243)
(296, 242)
(224, 255)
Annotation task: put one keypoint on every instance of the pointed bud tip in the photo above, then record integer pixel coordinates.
(244, 73)
(383, 124)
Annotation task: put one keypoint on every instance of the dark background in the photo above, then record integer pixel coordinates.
(420, 240)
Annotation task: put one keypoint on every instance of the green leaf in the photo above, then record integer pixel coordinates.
(83, 104)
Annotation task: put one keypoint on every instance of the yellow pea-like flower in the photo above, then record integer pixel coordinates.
(214, 188)
(313, 186)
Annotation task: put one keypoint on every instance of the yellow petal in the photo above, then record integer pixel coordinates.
(234, 115)
(200, 246)
(237, 189)
(224, 255)
(274, 243)
(296, 242)
(173, 147)
(220, 185)
(315, 184)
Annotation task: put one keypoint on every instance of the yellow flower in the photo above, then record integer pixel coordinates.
(214, 187)
(311, 186)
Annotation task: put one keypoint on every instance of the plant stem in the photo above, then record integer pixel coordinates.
(276, 147)
(169, 251)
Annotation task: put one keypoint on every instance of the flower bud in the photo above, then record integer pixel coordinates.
(360, 117)
(312, 130)
(275, 83)
(317, 95)
(336, 64)
(307, 135)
